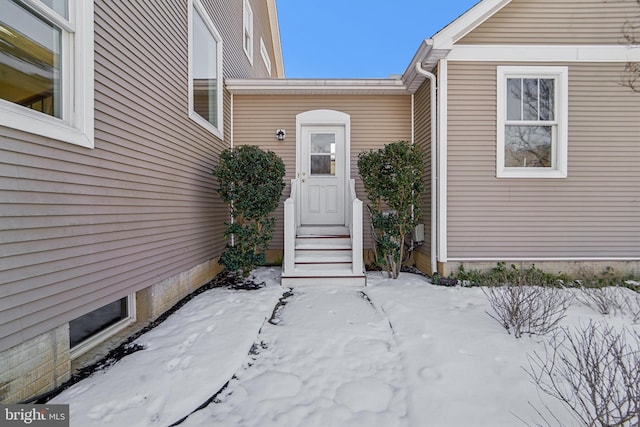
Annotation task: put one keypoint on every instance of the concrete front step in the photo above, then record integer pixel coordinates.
(327, 269)
(317, 281)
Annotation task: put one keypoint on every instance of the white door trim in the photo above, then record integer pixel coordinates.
(324, 118)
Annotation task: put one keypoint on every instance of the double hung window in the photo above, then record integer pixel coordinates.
(46, 68)
(205, 70)
(532, 122)
(247, 30)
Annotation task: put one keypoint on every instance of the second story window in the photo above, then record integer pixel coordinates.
(265, 56)
(247, 30)
(205, 70)
(46, 68)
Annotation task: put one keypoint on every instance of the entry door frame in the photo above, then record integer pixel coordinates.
(323, 118)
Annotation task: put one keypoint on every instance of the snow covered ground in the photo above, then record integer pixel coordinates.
(396, 353)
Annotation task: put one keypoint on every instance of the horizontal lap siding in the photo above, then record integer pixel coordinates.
(375, 121)
(423, 140)
(591, 214)
(80, 228)
(556, 22)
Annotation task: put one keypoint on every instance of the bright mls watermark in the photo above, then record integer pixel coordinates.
(34, 415)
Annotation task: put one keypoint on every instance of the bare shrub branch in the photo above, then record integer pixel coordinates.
(533, 310)
(609, 300)
(632, 305)
(594, 372)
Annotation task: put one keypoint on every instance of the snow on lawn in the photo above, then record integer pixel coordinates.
(330, 360)
(396, 353)
(186, 359)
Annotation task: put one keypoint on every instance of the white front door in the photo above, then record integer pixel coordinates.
(322, 175)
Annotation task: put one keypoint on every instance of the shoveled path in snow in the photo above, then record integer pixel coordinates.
(328, 359)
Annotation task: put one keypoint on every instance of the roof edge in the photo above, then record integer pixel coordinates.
(275, 37)
(467, 22)
(315, 86)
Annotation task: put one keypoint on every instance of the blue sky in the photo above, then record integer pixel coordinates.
(358, 38)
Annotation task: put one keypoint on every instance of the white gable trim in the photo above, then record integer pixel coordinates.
(545, 53)
(449, 35)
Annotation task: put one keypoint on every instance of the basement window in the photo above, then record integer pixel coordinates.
(89, 330)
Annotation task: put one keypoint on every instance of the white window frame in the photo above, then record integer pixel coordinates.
(101, 336)
(559, 147)
(265, 56)
(216, 130)
(76, 126)
(247, 30)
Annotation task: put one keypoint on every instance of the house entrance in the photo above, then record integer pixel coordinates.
(322, 175)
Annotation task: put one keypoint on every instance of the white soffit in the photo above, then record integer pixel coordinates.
(316, 87)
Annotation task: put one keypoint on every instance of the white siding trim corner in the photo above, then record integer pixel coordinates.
(442, 160)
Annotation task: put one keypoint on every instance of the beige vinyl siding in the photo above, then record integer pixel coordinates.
(227, 17)
(422, 134)
(556, 22)
(80, 228)
(591, 214)
(375, 121)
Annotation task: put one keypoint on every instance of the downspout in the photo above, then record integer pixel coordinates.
(233, 236)
(434, 164)
(231, 124)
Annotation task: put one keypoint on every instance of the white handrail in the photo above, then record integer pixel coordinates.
(355, 228)
(288, 260)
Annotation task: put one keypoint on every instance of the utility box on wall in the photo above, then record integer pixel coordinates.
(417, 235)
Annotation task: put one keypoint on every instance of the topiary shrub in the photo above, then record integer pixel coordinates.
(392, 178)
(250, 183)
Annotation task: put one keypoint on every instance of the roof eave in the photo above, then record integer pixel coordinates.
(275, 37)
(467, 22)
(316, 87)
(432, 50)
(428, 57)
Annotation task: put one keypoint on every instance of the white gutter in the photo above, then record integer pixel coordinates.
(434, 176)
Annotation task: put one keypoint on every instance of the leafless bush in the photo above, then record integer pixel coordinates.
(533, 310)
(607, 300)
(632, 305)
(612, 300)
(594, 372)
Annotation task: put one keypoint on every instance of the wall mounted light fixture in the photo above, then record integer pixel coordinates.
(281, 134)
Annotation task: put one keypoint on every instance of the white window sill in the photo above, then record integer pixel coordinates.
(205, 124)
(531, 173)
(26, 120)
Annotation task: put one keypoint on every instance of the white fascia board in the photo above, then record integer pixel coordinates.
(449, 35)
(275, 37)
(320, 86)
(545, 53)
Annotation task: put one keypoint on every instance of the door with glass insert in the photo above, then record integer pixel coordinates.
(322, 175)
